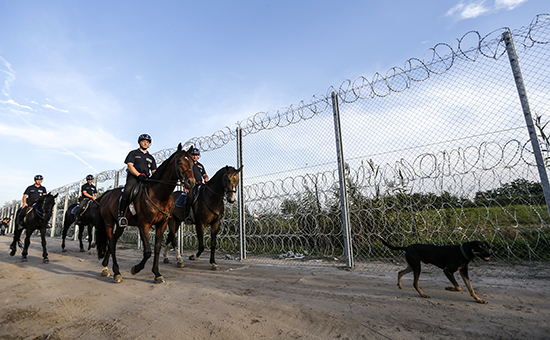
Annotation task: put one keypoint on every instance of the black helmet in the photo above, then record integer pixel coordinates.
(195, 151)
(37, 177)
(145, 137)
(89, 177)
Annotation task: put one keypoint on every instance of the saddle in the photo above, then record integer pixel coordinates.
(135, 193)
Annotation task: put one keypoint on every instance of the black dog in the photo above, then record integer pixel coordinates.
(448, 258)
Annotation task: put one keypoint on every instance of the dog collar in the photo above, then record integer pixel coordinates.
(464, 253)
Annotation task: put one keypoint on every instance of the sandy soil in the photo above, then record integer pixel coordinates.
(68, 299)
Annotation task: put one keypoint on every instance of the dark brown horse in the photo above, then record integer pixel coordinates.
(37, 218)
(153, 207)
(88, 219)
(208, 209)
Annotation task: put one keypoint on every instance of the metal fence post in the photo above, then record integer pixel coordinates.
(76, 226)
(522, 92)
(65, 207)
(240, 196)
(343, 187)
(54, 219)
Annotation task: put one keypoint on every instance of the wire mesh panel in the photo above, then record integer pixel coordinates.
(436, 151)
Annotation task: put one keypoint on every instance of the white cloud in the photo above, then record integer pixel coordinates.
(508, 4)
(467, 11)
(54, 108)
(473, 9)
(12, 102)
(10, 77)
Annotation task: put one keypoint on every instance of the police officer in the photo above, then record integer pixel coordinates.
(200, 178)
(141, 165)
(89, 193)
(30, 196)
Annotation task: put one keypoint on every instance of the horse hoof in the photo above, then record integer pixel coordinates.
(193, 258)
(133, 270)
(117, 278)
(181, 265)
(159, 279)
(12, 253)
(46, 260)
(24, 259)
(215, 267)
(166, 260)
(105, 273)
(64, 250)
(82, 250)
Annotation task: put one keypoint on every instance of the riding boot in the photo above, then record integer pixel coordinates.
(122, 220)
(189, 215)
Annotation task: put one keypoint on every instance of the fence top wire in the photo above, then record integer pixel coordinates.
(436, 60)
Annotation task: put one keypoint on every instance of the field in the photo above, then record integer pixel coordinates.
(68, 299)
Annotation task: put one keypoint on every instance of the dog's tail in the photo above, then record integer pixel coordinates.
(390, 246)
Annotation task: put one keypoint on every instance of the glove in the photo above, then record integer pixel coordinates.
(142, 178)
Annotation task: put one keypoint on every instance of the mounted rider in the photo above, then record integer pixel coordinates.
(89, 194)
(141, 164)
(200, 178)
(30, 196)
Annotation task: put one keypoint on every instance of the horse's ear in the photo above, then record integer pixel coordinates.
(180, 147)
(190, 149)
(55, 196)
(239, 169)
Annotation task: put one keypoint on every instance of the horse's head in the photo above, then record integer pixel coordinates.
(230, 182)
(184, 167)
(48, 202)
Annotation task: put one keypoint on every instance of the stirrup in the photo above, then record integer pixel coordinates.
(189, 220)
(122, 221)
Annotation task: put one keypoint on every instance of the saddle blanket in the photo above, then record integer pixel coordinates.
(180, 202)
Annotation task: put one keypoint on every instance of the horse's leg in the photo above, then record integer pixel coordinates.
(117, 277)
(105, 263)
(64, 235)
(169, 238)
(16, 239)
(80, 234)
(45, 258)
(144, 233)
(26, 246)
(200, 237)
(90, 236)
(175, 245)
(158, 246)
(214, 228)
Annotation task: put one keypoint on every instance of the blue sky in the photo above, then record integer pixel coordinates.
(81, 80)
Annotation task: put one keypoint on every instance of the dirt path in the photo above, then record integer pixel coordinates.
(68, 299)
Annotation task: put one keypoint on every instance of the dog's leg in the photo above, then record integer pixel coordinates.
(466, 279)
(401, 273)
(416, 272)
(456, 287)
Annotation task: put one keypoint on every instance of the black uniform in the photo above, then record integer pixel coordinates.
(89, 188)
(144, 163)
(199, 172)
(34, 192)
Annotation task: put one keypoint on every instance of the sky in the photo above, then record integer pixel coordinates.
(81, 80)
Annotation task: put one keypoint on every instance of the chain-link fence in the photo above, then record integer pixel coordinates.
(436, 151)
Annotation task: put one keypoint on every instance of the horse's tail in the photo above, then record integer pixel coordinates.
(390, 246)
(100, 236)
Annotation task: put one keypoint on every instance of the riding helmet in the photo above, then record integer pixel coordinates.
(145, 137)
(89, 177)
(37, 177)
(195, 151)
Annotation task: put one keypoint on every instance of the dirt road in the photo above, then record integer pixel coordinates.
(68, 299)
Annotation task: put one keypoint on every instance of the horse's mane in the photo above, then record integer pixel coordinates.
(160, 170)
(219, 173)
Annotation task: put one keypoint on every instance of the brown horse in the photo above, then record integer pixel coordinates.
(153, 207)
(208, 209)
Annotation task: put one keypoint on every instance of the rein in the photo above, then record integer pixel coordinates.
(166, 214)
